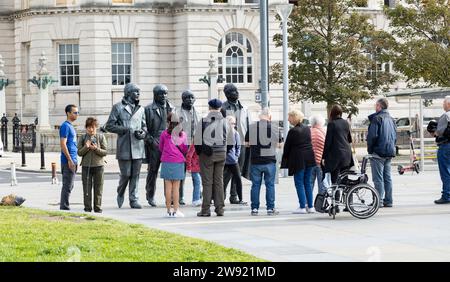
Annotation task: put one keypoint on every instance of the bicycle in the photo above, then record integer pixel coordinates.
(351, 191)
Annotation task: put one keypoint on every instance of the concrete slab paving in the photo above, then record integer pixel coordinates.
(415, 229)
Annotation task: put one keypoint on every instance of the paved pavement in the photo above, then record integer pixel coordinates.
(414, 230)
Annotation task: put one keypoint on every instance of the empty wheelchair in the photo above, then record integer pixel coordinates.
(352, 193)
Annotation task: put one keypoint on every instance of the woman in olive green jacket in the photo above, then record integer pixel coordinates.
(92, 147)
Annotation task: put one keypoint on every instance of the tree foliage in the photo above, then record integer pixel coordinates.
(335, 54)
(422, 29)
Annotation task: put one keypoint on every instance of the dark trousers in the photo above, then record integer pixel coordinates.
(211, 170)
(233, 190)
(234, 171)
(68, 177)
(92, 180)
(152, 175)
(129, 175)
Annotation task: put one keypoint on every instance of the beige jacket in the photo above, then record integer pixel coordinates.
(92, 158)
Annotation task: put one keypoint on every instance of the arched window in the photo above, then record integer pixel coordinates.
(235, 59)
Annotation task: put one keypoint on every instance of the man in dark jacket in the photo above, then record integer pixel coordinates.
(127, 120)
(156, 117)
(381, 139)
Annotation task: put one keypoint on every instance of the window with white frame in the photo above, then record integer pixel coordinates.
(377, 67)
(69, 65)
(121, 63)
(235, 59)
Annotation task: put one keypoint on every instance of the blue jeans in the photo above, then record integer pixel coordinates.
(257, 172)
(381, 177)
(443, 156)
(317, 174)
(196, 182)
(302, 180)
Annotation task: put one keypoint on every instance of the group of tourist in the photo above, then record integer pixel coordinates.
(220, 148)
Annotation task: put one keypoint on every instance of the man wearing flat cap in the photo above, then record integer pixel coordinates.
(211, 139)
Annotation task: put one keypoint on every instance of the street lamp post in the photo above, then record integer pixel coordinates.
(263, 16)
(284, 11)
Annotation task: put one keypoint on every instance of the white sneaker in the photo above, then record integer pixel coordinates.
(178, 214)
(300, 211)
(197, 203)
(169, 214)
(311, 210)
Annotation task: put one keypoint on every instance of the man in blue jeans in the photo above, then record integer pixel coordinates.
(381, 139)
(69, 162)
(442, 134)
(263, 138)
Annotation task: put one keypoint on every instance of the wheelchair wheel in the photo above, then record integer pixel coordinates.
(362, 201)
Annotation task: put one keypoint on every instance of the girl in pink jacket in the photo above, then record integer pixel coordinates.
(172, 145)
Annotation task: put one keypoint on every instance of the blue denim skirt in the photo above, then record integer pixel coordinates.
(172, 171)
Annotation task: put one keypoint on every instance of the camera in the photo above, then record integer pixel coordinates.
(432, 126)
(93, 140)
(139, 134)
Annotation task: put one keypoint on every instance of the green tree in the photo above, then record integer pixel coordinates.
(336, 54)
(423, 32)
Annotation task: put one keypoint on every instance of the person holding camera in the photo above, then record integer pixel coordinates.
(127, 120)
(441, 130)
(92, 149)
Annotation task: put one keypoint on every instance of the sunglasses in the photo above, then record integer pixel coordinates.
(76, 113)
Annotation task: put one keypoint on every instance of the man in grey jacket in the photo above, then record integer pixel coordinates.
(127, 119)
(156, 116)
(189, 118)
(212, 137)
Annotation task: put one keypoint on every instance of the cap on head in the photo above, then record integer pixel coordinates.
(215, 104)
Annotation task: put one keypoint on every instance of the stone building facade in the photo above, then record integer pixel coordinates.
(95, 46)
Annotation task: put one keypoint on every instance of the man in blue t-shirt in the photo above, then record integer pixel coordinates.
(68, 142)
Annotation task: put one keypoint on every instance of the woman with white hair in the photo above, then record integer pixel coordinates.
(298, 158)
(318, 142)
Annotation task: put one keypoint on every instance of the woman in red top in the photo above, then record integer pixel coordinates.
(318, 142)
(193, 166)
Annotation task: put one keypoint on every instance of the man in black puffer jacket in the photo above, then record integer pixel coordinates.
(381, 139)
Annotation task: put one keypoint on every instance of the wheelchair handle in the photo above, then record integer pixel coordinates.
(366, 158)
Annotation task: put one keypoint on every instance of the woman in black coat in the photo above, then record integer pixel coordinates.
(298, 158)
(337, 153)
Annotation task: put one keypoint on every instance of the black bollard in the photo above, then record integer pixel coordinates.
(24, 164)
(42, 156)
(4, 135)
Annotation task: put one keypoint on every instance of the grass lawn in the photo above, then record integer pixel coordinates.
(35, 235)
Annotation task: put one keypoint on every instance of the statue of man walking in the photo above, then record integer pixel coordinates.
(127, 120)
